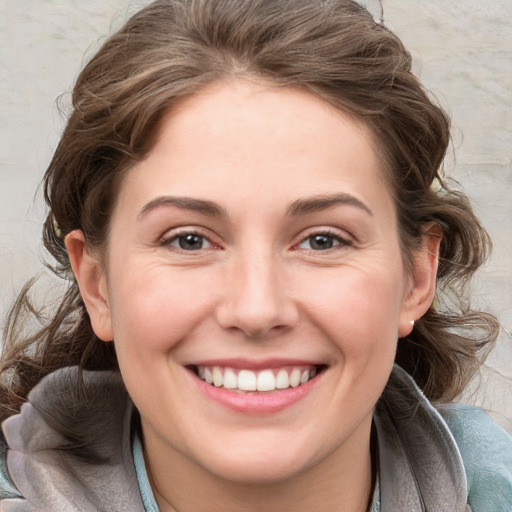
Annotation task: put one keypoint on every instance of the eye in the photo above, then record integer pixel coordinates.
(189, 242)
(322, 242)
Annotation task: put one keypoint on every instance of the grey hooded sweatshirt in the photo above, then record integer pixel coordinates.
(71, 450)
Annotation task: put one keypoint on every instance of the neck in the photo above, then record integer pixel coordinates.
(342, 481)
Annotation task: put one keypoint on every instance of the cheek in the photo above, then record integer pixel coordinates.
(156, 307)
(358, 309)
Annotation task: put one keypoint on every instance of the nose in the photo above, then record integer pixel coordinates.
(257, 300)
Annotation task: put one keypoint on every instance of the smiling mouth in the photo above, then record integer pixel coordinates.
(245, 381)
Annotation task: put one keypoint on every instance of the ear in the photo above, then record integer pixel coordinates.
(422, 283)
(92, 282)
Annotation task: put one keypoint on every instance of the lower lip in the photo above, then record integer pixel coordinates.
(257, 403)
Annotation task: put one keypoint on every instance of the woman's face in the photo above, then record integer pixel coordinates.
(257, 246)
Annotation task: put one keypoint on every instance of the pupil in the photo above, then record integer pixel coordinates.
(191, 242)
(320, 242)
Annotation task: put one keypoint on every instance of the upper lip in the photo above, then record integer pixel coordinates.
(253, 364)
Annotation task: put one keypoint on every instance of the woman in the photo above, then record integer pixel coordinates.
(248, 196)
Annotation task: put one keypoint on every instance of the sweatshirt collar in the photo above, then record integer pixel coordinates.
(420, 467)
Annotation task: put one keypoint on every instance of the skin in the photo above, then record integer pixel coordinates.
(256, 289)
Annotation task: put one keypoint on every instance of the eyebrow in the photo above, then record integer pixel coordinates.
(299, 207)
(322, 202)
(184, 203)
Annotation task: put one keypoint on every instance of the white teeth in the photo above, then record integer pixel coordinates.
(218, 378)
(282, 381)
(246, 380)
(230, 379)
(208, 377)
(266, 381)
(295, 378)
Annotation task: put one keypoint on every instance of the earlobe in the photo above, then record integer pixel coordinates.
(423, 280)
(91, 280)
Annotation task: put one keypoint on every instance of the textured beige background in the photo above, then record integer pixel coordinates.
(463, 53)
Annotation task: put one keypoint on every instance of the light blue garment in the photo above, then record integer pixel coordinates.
(146, 492)
(486, 451)
(7, 488)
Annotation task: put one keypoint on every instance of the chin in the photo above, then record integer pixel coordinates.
(270, 471)
(263, 463)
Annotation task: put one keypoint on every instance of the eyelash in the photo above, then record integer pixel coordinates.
(341, 241)
(338, 241)
(175, 237)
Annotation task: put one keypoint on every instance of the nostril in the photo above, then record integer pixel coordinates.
(257, 333)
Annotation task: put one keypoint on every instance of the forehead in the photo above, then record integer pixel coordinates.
(246, 138)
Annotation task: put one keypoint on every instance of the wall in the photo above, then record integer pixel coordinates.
(462, 51)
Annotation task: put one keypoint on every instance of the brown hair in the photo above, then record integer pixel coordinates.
(173, 48)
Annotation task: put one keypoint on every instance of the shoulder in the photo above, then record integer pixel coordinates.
(52, 451)
(486, 451)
